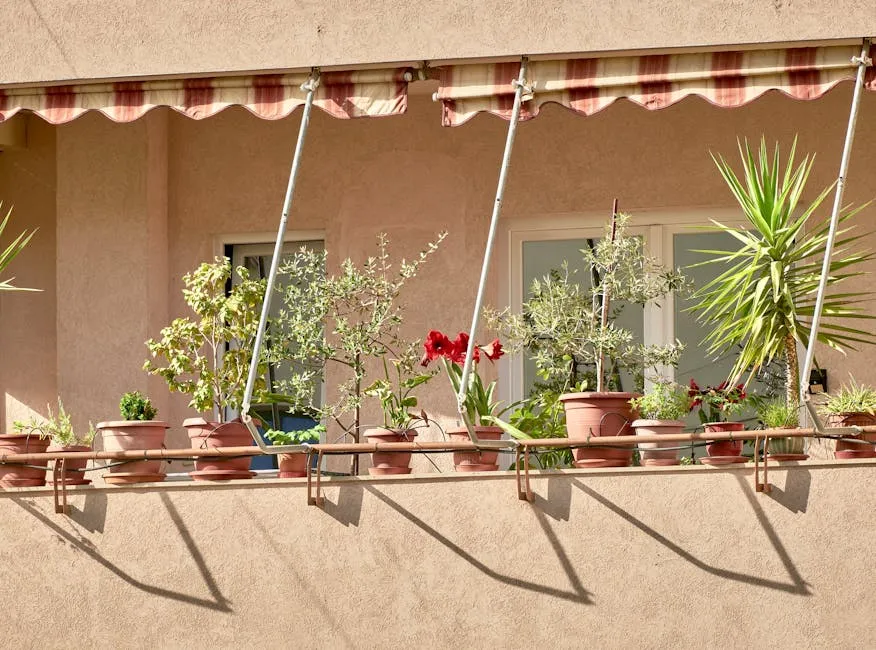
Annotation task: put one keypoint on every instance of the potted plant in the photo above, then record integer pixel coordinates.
(480, 405)
(207, 357)
(763, 298)
(852, 405)
(59, 430)
(138, 429)
(349, 322)
(660, 411)
(715, 404)
(777, 414)
(572, 332)
(294, 465)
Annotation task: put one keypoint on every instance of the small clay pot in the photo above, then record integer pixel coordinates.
(476, 461)
(203, 435)
(19, 475)
(133, 435)
(292, 465)
(725, 449)
(651, 456)
(390, 462)
(74, 469)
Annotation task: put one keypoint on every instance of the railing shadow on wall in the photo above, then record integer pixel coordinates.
(93, 520)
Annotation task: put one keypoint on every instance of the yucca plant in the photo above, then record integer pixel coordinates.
(764, 302)
(11, 252)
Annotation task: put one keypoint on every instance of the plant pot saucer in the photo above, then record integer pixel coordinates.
(659, 462)
(785, 457)
(384, 471)
(476, 467)
(600, 462)
(291, 474)
(129, 478)
(22, 482)
(723, 460)
(221, 474)
(74, 481)
(851, 454)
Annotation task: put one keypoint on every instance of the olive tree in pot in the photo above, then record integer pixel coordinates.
(660, 411)
(852, 405)
(350, 322)
(138, 429)
(59, 431)
(568, 329)
(208, 357)
(763, 298)
(481, 407)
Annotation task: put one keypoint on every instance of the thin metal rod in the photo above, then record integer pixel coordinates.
(488, 251)
(862, 62)
(311, 86)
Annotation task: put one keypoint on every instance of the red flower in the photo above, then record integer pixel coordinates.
(436, 345)
(460, 346)
(694, 389)
(493, 351)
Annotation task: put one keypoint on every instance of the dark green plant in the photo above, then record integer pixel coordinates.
(135, 406)
(59, 428)
(306, 436)
(208, 356)
(12, 251)
(663, 401)
(765, 301)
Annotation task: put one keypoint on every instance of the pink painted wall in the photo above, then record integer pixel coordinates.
(140, 204)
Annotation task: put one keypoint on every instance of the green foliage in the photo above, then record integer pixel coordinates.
(561, 323)
(717, 403)
(208, 357)
(663, 401)
(59, 428)
(777, 414)
(480, 401)
(348, 319)
(851, 398)
(765, 301)
(135, 406)
(11, 252)
(686, 460)
(306, 436)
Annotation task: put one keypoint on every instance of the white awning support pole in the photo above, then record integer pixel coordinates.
(310, 87)
(862, 62)
(519, 90)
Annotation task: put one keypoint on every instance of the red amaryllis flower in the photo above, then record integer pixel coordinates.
(493, 351)
(460, 346)
(436, 345)
(694, 389)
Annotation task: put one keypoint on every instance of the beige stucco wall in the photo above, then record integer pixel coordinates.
(60, 40)
(140, 204)
(688, 557)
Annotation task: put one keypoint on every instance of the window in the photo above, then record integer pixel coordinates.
(534, 246)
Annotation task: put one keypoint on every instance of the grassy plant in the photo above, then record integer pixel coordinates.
(12, 251)
(777, 414)
(851, 398)
(57, 427)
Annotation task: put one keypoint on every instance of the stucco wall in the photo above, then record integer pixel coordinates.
(63, 39)
(140, 204)
(688, 557)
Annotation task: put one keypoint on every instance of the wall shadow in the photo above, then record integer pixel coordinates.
(92, 517)
(795, 495)
(577, 594)
(219, 602)
(796, 585)
(349, 506)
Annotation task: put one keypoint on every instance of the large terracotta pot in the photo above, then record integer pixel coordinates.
(597, 415)
(722, 452)
(74, 470)
(651, 454)
(390, 462)
(132, 435)
(203, 434)
(18, 475)
(849, 450)
(476, 461)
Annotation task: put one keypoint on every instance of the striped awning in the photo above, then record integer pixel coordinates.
(363, 93)
(587, 86)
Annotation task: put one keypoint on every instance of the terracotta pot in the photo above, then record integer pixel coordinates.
(18, 475)
(132, 435)
(725, 449)
(292, 465)
(848, 450)
(74, 470)
(203, 435)
(476, 461)
(598, 415)
(390, 462)
(658, 427)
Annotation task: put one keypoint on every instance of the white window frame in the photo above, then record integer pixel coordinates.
(658, 226)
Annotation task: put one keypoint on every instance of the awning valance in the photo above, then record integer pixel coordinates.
(363, 93)
(654, 81)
